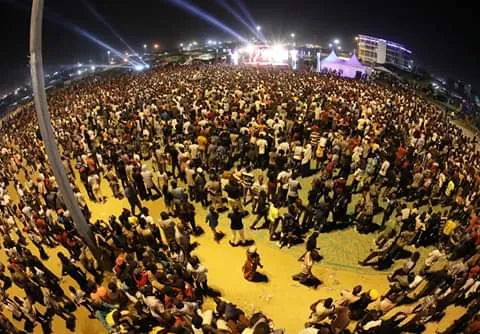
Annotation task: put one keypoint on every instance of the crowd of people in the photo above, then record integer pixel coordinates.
(234, 142)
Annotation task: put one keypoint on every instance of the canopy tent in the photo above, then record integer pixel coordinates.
(349, 68)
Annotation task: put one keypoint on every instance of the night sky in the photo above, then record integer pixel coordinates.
(444, 39)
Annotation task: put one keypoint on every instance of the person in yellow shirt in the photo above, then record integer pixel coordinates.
(273, 219)
(202, 142)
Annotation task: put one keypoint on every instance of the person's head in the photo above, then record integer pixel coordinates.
(328, 302)
(357, 290)
(112, 287)
(415, 256)
(197, 321)
(164, 215)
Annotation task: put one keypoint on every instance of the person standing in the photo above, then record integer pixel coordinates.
(73, 271)
(236, 225)
(147, 176)
(132, 197)
(212, 221)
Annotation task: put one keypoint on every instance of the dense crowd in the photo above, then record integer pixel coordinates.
(238, 141)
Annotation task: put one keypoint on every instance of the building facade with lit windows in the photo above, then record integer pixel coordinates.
(373, 50)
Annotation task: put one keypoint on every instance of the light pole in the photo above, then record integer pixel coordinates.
(46, 130)
(259, 31)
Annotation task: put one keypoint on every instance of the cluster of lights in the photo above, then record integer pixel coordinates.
(210, 42)
(336, 42)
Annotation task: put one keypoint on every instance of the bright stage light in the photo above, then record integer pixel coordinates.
(294, 56)
(79, 72)
(259, 28)
(250, 48)
(156, 46)
(79, 64)
(92, 68)
(235, 58)
(144, 46)
(292, 35)
(336, 41)
(139, 67)
(279, 53)
(330, 45)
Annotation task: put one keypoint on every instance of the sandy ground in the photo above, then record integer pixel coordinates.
(282, 299)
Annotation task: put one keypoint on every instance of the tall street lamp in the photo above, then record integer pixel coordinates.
(49, 140)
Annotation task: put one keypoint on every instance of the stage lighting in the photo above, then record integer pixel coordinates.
(279, 54)
(249, 48)
(139, 67)
(235, 58)
(194, 10)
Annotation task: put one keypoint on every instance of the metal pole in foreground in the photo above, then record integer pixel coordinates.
(46, 129)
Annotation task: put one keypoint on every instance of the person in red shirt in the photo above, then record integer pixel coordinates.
(141, 278)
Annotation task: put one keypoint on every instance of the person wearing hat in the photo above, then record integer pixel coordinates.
(250, 267)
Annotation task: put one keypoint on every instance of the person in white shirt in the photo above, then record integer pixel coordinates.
(307, 157)
(147, 177)
(199, 274)
(283, 146)
(262, 152)
(283, 178)
(297, 155)
(94, 182)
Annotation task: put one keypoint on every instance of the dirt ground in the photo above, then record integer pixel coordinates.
(282, 299)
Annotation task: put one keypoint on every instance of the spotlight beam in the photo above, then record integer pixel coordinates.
(249, 16)
(101, 19)
(207, 17)
(58, 20)
(232, 11)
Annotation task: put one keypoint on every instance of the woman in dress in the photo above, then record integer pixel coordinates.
(250, 267)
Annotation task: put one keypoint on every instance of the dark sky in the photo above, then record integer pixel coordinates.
(443, 38)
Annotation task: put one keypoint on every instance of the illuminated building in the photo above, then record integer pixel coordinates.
(372, 50)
